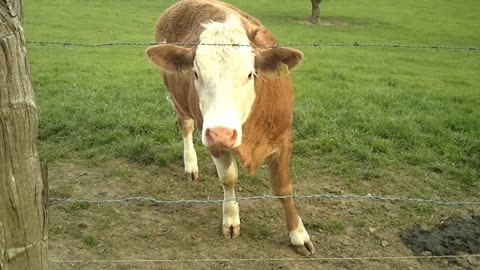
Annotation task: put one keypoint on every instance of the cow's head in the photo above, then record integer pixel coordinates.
(224, 76)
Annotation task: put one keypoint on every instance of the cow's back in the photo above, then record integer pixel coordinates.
(181, 23)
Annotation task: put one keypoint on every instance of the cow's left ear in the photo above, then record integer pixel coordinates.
(277, 60)
(171, 58)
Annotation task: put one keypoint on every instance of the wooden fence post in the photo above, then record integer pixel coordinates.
(23, 202)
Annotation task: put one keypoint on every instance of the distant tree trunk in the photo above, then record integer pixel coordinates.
(315, 11)
(23, 194)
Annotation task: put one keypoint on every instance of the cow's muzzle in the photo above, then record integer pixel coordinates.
(221, 137)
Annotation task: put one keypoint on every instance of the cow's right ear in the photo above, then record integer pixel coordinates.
(171, 58)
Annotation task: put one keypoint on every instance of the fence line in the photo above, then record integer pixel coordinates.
(266, 259)
(288, 259)
(269, 197)
(307, 44)
(264, 197)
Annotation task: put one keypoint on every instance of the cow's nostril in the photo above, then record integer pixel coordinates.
(233, 137)
(209, 136)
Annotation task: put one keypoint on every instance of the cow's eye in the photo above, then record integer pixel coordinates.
(196, 75)
(250, 75)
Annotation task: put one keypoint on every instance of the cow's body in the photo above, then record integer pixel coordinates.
(265, 117)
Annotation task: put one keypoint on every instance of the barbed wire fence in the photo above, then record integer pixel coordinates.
(323, 196)
(314, 44)
(267, 259)
(295, 196)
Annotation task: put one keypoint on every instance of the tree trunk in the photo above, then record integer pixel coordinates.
(23, 195)
(315, 11)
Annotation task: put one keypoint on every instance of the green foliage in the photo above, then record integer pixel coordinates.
(333, 226)
(74, 206)
(90, 240)
(256, 231)
(365, 114)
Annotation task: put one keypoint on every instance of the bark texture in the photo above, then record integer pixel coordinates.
(23, 195)
(315, 11)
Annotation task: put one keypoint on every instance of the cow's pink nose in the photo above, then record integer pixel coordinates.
(221, 137)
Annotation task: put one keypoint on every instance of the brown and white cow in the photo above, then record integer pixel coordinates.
(240, 97)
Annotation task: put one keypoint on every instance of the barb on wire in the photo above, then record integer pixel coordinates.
(268, 197)
(307, 44)
(267, 259)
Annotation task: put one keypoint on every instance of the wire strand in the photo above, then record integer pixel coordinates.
(268, 259)
(307, 44)
(268, 197)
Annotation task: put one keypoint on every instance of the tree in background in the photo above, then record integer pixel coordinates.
(315, 11)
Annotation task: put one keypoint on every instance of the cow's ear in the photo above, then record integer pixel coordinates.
(171, 58)
(277, 60)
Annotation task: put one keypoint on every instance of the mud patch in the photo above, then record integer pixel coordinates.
(453, 236)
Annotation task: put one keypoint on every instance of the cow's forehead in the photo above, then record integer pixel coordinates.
(231, 56)
(224, 42)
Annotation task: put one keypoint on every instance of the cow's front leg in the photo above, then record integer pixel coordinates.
(280, 181)
(227, 172)
(186, 127)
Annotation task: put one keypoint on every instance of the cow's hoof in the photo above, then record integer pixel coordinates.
(194, 176)
(306, 249)
(231, 231)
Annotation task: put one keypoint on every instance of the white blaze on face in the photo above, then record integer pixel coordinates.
(224, 77)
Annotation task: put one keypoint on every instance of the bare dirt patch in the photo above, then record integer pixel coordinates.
(326, 22)
(179, 233)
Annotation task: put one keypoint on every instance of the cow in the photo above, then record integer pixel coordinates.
(227, 76)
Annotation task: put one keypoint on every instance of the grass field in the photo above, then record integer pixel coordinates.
(395, 121)
(361, 113)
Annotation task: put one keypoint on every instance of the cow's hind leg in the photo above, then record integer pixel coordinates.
(281, 186)
(186, 126)
(227, 172)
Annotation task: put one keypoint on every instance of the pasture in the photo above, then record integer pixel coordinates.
(392, 121)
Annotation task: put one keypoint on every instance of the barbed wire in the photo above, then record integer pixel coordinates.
(307, 44)
(268, 197)
(268, 259)
(264, 259)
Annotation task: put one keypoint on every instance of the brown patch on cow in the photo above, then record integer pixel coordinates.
(268, 128)
(171, 58)
(185, 14)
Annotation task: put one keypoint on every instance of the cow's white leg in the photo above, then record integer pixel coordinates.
(186, 127)
(227, 172)
(300, 238)
(281, 186)
(298, 235)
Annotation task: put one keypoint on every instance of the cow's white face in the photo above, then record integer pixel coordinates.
(224, 76)
(224, 80)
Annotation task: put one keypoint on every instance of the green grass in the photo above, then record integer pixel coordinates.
(74, 206)
(333, 226)
(370, 116)
(257, 231)
(89, 240)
